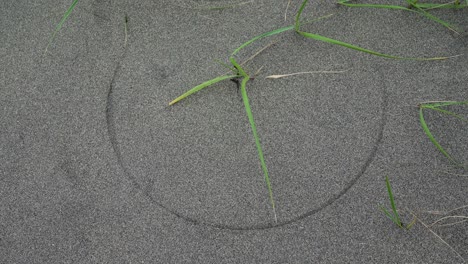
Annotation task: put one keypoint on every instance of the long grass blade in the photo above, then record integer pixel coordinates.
(60, 24)
(201, 86)
(461, 118)
(257, 143)
(274, 32)
(432, 138)
(347, 45)
(436, 106)
(297, 25)
(436, 19)
(428, 6)
(345, 3)
(442, 103)
(418, 8)
(245, 98)
(392, 202)
(270, 33)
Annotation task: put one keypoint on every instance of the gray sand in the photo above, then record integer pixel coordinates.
(96, 168)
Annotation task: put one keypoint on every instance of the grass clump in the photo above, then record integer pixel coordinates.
(394, 216)
(242, 77)
(240, 73)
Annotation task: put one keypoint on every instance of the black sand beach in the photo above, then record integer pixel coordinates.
(95, 167)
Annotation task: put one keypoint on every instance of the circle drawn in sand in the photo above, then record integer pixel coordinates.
(198, 159)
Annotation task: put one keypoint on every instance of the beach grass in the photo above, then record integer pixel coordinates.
(415, 7)
(439, 107)
(60, 24)
(238, 73)
(394, 216)
(243, 77)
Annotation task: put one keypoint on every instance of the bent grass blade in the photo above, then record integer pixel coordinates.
(245, 99)
(436, 19)
(201, 86)
(297, 23)
(60, 24)
(257, 143)
(435, 106)
(274, 32)
(270, 33)
(431, 137)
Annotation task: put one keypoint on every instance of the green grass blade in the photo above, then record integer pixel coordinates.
(418, 9)
(440, 6)
(392, 201)
(225, 65)
(432, 138)
(345, 3)
(388, 214)
(436, 107)
(201, 86)
(245, 98)
(461, 118)
(274, 32)
(270, 33)
(238, 67)
(347, 45)
(436, 19)
(60, 24)
(298, 16)
(442, 103)
(257, 143)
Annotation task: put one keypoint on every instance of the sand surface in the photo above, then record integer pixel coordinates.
(95, 167)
